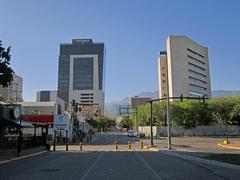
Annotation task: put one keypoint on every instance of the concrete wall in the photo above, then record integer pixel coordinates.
(199, 131)
(146, 130)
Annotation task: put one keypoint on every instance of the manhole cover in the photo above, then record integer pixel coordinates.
(49, 170)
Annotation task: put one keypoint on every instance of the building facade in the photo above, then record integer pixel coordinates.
(138, 101)
(13, 93)
(81, 73)
(187, 68)
(46, 96)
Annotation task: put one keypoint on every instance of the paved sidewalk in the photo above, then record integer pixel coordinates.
(203, 145)
(232, 145)
(6, 155)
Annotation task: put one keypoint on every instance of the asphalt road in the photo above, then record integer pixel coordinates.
(99, 165)
(110, 137)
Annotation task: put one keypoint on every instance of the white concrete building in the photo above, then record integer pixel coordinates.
(13, 93)
(43, 108)
(187, 65)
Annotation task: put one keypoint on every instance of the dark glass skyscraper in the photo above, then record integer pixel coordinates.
(81, 72)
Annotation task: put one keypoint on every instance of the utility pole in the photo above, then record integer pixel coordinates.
(151, 120)
(168, 107)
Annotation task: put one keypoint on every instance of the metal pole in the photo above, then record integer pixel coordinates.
(137, 116)
(66, 140)
(54, 141)
(168, 108)
(151, 123)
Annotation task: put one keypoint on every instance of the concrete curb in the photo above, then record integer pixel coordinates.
(228, 146)
(201, 160)
(22, 157)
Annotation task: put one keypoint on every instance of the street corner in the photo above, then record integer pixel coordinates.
(151, 148)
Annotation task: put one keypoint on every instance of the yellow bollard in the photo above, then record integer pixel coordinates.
(141, 144)
(129, 145)
(81, 146)
(226, 141)
(116, 145)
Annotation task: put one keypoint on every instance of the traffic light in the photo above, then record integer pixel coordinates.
(76, 107)
(73, 102)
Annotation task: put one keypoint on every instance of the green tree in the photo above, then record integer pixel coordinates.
(103, 123)
(5, 69)
(143, 114)
(222, 109)
(235, 114)
(126, 122)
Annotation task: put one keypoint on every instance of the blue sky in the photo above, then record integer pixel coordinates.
(133, 31)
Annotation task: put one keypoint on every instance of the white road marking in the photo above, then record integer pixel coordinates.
(149, 167)
(92, 166)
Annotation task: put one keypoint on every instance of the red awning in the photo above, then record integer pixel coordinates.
(47, 119)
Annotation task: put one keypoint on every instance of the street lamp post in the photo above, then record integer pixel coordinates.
(168, 108)
(137, 115)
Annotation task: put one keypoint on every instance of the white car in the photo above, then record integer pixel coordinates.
(131, 133)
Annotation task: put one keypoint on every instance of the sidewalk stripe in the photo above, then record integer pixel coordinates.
(149, 167)
(22, 157)
(229, 146)
(92, 166)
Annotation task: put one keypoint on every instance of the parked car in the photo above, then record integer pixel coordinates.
(131, 133)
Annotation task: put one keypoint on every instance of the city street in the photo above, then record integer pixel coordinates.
(108, 163)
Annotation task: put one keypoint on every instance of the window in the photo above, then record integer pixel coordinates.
(199, 80)
(163, 81)
(195, 59)
(194, 52)
(196, 66)
(163, 74)
(197, 73)
(83, 74)
(197, 94)
(194, 85)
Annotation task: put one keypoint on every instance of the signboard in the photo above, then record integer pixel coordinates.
(61, 122)
(125, 110)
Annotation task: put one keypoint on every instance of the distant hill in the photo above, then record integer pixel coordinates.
(112, 108)
(223, 93)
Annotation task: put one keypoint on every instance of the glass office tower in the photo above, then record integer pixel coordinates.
(81, 72)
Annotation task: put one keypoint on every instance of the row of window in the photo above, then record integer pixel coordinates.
(194, 85)
(86, 94)
(196, 66)
(86, 97)
(195, 59)
(196, 53)
(193, 93)
(197, 73)
(196, 79)
(87, 101)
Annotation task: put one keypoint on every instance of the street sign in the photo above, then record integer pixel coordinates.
(61, 122)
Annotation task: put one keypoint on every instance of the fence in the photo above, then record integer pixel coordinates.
(198, 131)
(11, 142)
